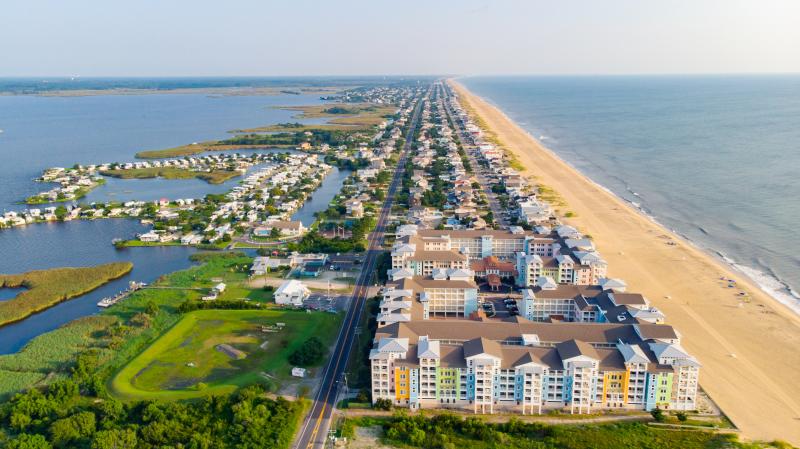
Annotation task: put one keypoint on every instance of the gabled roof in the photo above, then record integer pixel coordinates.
(478, 346)
(575, 348)
(628, 299)
(428, 349)
(632, 353)
(667, 350)
(393, 345)
(656, 331)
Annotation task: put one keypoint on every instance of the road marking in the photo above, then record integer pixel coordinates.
(361, 289)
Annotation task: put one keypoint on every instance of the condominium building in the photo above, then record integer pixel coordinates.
(548, 300)
(477, 244)
(424, 255)
(529, 367)
(446, 293)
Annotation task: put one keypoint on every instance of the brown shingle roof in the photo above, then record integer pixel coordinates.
(463, 330)
(574, 348)
(482, 345)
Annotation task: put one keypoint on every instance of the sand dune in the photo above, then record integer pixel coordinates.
(750, 351)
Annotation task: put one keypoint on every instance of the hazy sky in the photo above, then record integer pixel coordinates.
(340, 37)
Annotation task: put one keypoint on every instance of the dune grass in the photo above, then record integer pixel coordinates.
(188, 362)
(46, 288)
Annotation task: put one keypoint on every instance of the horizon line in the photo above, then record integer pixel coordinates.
(422, 75)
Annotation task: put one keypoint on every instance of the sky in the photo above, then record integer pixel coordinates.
(379, 37)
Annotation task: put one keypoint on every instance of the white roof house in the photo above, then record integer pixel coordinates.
(291, 292)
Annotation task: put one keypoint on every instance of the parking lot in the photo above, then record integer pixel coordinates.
(333, 303)
(500, 306)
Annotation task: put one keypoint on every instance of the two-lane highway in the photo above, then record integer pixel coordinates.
(315, 427)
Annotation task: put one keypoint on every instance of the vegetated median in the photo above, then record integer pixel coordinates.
(212, 177)
(46, 288)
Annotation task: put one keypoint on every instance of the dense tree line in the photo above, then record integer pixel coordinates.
(314, 242)
(64, 416)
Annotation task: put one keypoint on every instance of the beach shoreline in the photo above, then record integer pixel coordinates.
(760, 277)
(747, 348)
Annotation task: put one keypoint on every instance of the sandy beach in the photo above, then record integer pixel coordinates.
(750, 351)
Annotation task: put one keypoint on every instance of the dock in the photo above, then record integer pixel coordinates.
(111, 300)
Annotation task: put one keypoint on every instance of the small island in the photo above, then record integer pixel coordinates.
(211, 176)
(46, 288)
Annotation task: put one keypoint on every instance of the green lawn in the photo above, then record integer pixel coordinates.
(164, 370)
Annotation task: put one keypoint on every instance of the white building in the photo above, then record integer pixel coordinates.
(292, 292)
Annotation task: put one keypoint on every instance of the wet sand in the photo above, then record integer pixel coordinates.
(750, 350)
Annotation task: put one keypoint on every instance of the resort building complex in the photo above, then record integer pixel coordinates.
(509, 309)
(524, 366)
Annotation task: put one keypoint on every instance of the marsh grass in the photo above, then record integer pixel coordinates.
(46, 288)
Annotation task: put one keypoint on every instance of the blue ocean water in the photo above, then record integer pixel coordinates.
(715, 158)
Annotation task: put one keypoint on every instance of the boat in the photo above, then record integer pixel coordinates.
(111, 300)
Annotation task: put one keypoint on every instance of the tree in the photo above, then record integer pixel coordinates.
(275, 233)
(417, 437)
(382, 404)
(61, 212)
(29, 441)
(658, 415)
(681, 416)
(151, 308)
(114, 439)
(309, 353)
(67, 430)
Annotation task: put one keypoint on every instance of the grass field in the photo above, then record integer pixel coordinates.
(212, 177)
(187, 361)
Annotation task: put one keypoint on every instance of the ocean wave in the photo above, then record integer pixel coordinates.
(771, 284)
(767, 280)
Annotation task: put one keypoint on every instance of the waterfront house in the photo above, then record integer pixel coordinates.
(151, 236)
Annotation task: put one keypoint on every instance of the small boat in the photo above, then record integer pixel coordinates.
(111, 300)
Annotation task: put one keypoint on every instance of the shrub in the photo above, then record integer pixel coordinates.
(658, 415)
(309, 353)
(382, 404)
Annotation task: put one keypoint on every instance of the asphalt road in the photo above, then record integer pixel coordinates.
(314, 429)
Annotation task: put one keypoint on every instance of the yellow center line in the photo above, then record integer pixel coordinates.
(357, 293)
